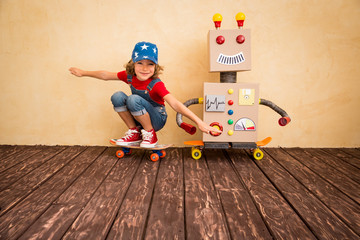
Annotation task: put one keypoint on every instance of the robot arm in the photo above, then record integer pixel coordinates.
(188, 127)
(285, 118)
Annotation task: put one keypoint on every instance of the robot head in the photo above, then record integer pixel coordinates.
(229, 50)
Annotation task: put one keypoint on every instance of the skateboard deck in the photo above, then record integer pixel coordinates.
(137, 145)
(263, 142)
(258, 143)
(194, 143)
(199, 145)
(158, 150)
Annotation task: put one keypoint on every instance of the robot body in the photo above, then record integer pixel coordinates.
(233, 108)
(230, 106)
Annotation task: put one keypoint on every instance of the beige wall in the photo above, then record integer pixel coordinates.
(305, 55)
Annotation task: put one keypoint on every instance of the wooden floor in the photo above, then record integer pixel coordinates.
(88, 193)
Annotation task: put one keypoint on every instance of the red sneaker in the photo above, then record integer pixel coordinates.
(149, 138)
(131, 137)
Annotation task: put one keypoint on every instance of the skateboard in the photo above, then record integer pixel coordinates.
(158, 150)
(198, 146)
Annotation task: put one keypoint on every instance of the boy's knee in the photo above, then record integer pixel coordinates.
(133, 101)
(135, 104)
(119, 99)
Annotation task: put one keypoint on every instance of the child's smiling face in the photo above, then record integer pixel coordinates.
(144, 69)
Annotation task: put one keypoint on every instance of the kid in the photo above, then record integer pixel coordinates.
(143, 112)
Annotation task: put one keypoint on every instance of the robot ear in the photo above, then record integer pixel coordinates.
(217, 18)
(240, 18)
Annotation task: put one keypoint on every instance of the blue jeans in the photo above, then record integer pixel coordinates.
(138, 106)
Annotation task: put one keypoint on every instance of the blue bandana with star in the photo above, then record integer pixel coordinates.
(145, 50)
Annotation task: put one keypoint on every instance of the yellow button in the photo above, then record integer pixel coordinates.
(230, 132)
(231, 91)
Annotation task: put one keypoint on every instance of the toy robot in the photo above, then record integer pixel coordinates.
(230, 106)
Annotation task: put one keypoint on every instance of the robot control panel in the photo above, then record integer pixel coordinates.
(231, 107)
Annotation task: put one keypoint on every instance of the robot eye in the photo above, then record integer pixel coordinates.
(220, 40)
(240, 39)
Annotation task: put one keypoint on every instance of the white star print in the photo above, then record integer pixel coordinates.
(154, 50)
(136, 55)
(144, 47)
(146, 57)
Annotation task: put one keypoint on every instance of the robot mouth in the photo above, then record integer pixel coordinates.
(231, 60)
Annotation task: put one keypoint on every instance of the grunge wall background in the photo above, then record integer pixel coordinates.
(305, 55)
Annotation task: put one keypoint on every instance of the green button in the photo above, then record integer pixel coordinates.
(230, 121)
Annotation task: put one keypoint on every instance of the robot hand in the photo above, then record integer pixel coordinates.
(188, 127)
(285, 118)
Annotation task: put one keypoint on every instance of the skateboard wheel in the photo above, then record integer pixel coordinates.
(154, 157)
(258, 154)
(120, 153)
(195, 153)
(162, 153)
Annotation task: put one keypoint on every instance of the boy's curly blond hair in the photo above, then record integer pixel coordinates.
(130, 69)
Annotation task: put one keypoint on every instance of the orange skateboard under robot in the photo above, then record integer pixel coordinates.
(198, 146)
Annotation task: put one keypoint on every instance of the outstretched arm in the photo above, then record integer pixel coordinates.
(180, 108)
(103, 75)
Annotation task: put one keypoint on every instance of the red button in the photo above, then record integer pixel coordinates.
(230, 102)
(220, 40)
(240, 39)
(218, 126)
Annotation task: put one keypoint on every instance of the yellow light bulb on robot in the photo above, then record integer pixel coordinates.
(217, 18)
(240, 18)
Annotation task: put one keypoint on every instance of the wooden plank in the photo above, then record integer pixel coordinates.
(281, 219)
(331, 174)
(204, 217)
(2, 147)
(131, 220)
(317, 215)
(209, 198)
(19, 156)
(350, 156)
(242, 216)
(62, 213)
(26, 184)
(21, 216)
(98, 215)
(166, 216)
(347, 169)
(355, 152)
(12, 174)
(8, 150)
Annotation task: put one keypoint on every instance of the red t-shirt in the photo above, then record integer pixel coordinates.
(157, 93)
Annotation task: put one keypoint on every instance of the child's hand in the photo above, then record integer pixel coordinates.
(76, 71)
(207, 129)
